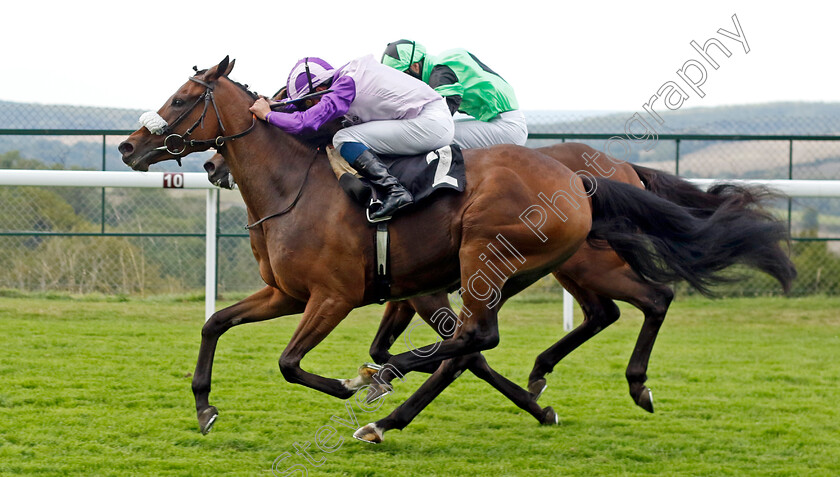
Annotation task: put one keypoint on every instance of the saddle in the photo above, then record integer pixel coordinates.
(424, 175)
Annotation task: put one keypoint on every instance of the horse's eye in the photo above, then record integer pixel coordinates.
(177, 102)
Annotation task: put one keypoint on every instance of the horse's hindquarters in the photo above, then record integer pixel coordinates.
(527, 213)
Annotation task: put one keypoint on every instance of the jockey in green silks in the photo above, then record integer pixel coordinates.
(469, 87)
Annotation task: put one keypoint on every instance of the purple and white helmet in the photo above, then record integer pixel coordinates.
(307, 74)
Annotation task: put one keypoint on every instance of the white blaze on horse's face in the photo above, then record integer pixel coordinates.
(153, 122)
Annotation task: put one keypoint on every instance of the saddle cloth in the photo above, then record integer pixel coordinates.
(423, 175)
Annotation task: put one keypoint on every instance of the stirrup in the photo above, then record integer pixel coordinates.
(380, 219)
(367, 212)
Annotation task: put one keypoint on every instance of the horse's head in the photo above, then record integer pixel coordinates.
(218, 172)
(188, 122)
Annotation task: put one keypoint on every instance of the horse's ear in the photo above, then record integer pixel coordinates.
(219, 70)
(229, 68)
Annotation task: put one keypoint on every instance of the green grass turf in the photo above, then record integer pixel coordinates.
(102, 387)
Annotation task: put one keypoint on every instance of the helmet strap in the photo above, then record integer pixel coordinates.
(308, 75)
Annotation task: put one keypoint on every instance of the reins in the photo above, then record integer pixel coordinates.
(295, 201)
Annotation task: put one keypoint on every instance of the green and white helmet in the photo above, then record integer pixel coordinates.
(402, 53)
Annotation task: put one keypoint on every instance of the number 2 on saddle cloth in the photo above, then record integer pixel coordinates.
(423, 175)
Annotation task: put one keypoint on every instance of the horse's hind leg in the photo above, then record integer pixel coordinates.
(400, 417)
(600, 275)
(614, 279)
(395, 320)
(448, 371)
(266, 304)
(599, 312)
(654, 301)
(517, 395)
(432, 308)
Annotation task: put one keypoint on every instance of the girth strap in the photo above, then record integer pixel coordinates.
(382, 277)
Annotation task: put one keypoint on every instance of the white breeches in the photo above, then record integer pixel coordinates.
(506, 128)
(432, 129)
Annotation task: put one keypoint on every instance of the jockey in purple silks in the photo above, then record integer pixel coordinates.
(388, 113)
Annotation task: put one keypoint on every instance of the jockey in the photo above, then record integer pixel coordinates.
(388, 113)
(470, 87)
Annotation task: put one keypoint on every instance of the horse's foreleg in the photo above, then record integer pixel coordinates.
(321, 316)
(599, 312)
(265, 304)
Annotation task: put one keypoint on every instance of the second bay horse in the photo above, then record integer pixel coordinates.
(595, 277)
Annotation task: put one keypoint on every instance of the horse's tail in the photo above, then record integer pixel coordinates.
(699, 202)
(664, 241)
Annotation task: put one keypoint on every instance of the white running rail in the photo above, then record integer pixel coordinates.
(152, 180)
(197, 180)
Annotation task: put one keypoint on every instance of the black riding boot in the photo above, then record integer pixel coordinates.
(371, 168)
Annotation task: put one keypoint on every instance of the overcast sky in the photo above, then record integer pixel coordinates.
(582, 55)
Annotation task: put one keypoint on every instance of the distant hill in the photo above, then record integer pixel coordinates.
(83, 152)
(773, 118)
(40, 116)
(798, 118)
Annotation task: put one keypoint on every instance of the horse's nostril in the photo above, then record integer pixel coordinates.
(125, 148)
(209, 167)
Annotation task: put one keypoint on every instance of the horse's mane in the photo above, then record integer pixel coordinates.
(320, 138)
(243, 87)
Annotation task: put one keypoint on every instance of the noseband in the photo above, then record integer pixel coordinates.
(175, 143)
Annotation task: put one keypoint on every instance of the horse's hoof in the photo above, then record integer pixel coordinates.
(537, 387)
(207, 418)
(376, 392)
(645, 399)
(549, 417)
(367, 370)
(370, 434)
(365, 377)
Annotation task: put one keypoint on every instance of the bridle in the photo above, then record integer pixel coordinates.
(176, 144)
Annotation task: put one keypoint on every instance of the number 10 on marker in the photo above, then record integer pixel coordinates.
(173, 180)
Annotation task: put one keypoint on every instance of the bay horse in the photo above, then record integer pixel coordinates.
(594, 276)
(316, 249)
